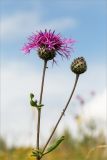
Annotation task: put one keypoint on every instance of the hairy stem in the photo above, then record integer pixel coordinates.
(40, 101)
(76, 80)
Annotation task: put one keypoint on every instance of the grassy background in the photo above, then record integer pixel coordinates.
(70, 149)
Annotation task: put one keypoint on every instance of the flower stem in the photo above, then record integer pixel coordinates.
(76, 80)
(40, 101)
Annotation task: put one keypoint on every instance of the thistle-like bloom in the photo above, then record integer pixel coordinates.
(48, 44)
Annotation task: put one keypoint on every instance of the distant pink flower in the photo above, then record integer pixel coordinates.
(51, 42)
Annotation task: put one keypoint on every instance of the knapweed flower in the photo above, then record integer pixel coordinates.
(48, 44)
(79, 65)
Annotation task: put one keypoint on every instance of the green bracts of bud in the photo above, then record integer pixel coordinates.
(79, 65)
(46, 54)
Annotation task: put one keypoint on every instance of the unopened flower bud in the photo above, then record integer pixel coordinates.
(31, 95)
(79, 65)
(46, 54)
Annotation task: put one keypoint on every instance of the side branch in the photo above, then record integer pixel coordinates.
(76, 80)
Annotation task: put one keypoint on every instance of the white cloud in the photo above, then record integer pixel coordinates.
(96, 109)
(18, 24)
(18, 80)
(26, 22)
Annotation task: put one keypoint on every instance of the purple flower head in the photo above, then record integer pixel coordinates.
(49, 42)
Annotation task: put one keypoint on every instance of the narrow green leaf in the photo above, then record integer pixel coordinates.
(54, 146)
(36, 153)
(39, 106)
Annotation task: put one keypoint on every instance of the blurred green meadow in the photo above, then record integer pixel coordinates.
(88, 147)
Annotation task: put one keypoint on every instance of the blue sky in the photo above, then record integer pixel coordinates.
(83, 20)
(88, 20)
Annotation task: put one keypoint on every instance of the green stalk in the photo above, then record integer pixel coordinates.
(40, 102)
